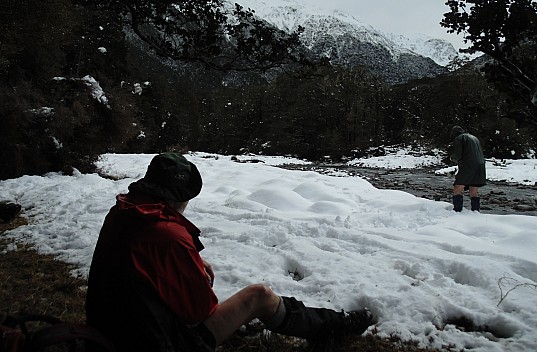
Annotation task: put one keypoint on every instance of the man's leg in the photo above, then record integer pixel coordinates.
(254, 301)
(284, 315)
(474, 191)
(458, 197)
(317, 323)
(474, 199)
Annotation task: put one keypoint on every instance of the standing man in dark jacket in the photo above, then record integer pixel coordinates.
(149, 290)
(467, 153)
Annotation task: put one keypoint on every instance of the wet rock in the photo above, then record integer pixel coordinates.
(497, 200)
(524, 207)
(8, 211)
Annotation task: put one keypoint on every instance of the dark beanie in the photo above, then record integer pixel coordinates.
(170, 176)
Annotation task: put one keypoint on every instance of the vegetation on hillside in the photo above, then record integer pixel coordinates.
(506, 31)
(207, 32)
(76, 84)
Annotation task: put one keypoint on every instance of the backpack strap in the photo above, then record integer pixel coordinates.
(14, 321)
(17, 337)
(11, 339)
(70, 334)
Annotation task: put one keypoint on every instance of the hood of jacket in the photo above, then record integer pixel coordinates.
(139, 205)
(457, 131)
(142, 206)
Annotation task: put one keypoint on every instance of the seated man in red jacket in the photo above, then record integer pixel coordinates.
(150, 290)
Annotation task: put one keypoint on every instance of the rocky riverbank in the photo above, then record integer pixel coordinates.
(496, 197)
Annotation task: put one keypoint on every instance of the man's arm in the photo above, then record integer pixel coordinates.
(456, 155)
(208, 271)
(179, 275)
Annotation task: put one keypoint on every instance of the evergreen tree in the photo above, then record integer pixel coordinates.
(506, 31)
(206, 32)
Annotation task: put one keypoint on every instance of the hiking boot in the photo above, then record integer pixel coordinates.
(353, 323)
(357, 321)
(317, 323)
(458, 201)
(475, 203)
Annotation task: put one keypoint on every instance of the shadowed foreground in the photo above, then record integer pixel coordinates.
(35, 283)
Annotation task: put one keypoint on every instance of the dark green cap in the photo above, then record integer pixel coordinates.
(170, 176)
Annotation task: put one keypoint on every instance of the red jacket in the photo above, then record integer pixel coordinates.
(150, 241)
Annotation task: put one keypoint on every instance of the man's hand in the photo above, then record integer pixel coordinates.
(208, 271)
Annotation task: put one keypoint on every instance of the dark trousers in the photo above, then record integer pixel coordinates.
(308, 323)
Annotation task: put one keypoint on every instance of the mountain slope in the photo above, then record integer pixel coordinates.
(439, 50)
(349, 42)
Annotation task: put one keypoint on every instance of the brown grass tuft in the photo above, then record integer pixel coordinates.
(36, 283)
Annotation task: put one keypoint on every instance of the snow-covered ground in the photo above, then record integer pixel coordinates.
(334, 242)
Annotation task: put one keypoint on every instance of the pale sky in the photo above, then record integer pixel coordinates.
(396, 16)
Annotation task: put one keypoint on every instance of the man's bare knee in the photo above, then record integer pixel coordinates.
(473, 191)
(261, 290)
(458, 189)
(254, 301)
(262, 299)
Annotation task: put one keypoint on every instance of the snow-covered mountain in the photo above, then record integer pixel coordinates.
(350, 42)
(440, 50)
